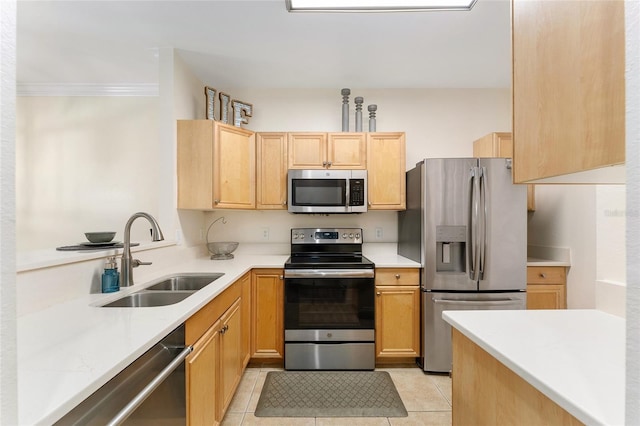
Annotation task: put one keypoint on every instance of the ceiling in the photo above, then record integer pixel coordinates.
(258, 44)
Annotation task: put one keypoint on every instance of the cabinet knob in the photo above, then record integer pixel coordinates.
(369, 203)
(216, 201)
(284, 203)
(324, 164)
(281, 277)
(378, 293)
(543, 275)
(329, 163)
(397, 276)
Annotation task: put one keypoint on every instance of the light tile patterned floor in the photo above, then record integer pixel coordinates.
(426, 397)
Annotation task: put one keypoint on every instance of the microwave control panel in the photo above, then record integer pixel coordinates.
(356, 192)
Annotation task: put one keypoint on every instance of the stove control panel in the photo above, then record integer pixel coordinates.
(326, 236)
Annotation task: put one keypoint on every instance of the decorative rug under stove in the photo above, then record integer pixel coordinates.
(329, 394)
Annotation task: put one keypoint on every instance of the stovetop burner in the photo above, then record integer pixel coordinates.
(328, 260)
(316, 248)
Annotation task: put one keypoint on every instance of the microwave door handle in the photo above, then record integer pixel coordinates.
(347, 193)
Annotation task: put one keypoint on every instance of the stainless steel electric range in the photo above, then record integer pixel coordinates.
(329, 293)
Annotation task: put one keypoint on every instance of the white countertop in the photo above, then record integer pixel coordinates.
(574, 357)
(535, 261)
(67, 351)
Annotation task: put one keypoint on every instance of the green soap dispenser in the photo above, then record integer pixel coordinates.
(110, 276)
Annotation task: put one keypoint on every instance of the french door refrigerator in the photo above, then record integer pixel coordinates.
(466, 223)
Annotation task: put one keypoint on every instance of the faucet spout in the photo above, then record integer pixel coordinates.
(127, 262)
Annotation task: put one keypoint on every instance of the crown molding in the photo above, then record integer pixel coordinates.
(86, 89)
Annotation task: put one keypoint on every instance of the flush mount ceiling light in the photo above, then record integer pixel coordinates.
(377, 5)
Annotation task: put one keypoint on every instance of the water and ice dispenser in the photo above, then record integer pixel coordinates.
(451, 249)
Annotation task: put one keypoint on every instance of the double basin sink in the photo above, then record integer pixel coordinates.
(167, 291)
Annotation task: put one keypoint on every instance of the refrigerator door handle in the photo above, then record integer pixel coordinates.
(473, 251)
(463, 302)
(483, 222)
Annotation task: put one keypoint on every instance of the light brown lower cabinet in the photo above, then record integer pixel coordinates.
(486, 392)
(201, 368)
(214, 369)
(546, 287)
(397, 314)
(267, 314)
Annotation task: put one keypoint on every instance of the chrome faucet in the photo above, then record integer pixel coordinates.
(128, 263)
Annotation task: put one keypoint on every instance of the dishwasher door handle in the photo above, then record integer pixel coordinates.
(149, 388)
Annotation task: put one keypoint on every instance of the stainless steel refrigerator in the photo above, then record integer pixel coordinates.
(466, 223)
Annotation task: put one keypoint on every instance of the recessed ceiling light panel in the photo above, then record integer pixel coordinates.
(377, 5)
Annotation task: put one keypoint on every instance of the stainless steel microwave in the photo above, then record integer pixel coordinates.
(327, 191)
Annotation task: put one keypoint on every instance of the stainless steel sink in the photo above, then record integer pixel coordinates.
(144, 299)
(185, 282)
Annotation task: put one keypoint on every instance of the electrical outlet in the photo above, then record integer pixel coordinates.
(378, 233)
(265, 234)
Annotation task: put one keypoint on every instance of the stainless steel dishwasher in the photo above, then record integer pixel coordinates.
(151, 390)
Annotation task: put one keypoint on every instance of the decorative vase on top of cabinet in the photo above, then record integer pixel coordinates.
(216, 166)
(568, 90)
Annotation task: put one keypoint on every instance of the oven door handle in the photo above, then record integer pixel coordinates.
(328, 273)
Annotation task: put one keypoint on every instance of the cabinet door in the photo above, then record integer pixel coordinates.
(245, 283)
(568, 87)
(347, 151)
(307, 150)
(542, 296)
(194, 168)
(201, 367)
(397, 321)
(546, 287)
(271, 183)
(230, 356)
(267, 298)
(386, 171)
(234, 160)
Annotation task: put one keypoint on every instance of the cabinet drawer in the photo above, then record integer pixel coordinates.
(398, 276)
(546, 275)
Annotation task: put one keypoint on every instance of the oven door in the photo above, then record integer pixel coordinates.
(322, 304)
(329, 320)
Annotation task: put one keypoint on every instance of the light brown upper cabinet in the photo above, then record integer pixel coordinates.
(271, 183)
(500, 144)
(216, 166)
(327, 150)
(386, 171)
(568, 88)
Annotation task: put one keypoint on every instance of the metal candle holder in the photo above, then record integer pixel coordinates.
(345, 109)
(372, 117)
(359, 100)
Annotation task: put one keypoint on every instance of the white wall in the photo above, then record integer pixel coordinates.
(8, 323)
(565, 217)
(84, 164)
